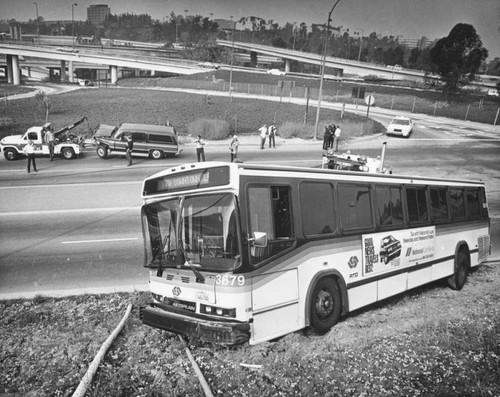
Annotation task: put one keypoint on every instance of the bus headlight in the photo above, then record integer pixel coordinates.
(217, 311)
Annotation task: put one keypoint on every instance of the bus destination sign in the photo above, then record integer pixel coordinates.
(193, 179)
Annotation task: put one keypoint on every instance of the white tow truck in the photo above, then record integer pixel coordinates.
(353, 162)
(66, 145)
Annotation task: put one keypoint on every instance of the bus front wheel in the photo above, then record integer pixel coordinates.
(326, 305)
(462, 265)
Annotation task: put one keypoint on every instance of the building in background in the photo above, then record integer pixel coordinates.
(97, 14)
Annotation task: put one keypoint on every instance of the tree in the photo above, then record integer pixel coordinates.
(458, 56)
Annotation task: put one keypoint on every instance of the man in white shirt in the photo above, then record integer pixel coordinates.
(29, 150)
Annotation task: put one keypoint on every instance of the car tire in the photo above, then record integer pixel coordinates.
(68, 153)
(102, 151)
(156, 154)
(325, 305)
(10, 154)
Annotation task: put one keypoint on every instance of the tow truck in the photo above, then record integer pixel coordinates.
(66, 145)
(354, 162)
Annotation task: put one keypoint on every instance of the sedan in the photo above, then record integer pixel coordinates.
(276, 72)
(401, 126)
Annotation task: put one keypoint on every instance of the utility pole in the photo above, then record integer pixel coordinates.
(232, 55)
(322, 72)
(37, 26)
(73, 23)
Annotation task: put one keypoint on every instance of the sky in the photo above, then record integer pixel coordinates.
(406, 18)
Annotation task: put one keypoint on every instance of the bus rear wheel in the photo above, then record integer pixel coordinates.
(462, 265)
(326, 305)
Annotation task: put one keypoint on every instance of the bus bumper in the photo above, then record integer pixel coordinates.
(221, 332)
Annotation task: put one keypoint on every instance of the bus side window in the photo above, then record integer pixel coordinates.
(473, 206)
(355, 207)
(457, 202)
(416, 201)
(269, 211)
(439, 204)
(317, 208)
(389, 205)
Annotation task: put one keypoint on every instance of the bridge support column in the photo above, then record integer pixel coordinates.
(64, 76)
(13, 71)
(70, 72)
(287, 66)
(114, 74)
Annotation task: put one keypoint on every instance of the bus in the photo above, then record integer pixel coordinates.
(247, 253)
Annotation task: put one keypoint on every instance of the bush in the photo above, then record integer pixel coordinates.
(295, 130)
(209, 129)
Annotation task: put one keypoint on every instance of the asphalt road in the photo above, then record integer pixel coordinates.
(74, 226)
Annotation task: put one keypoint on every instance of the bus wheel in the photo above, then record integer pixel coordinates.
(462, 265)
(325, 305)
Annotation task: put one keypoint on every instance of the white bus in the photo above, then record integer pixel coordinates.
(241, 252)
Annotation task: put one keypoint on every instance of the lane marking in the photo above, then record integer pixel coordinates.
(70, 211)
(73, 185)
(108, 240)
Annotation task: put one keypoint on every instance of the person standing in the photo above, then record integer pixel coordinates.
(263, 134)
(200, 149)
(129, 148)
(233, 147)
(331, 130)
(336, 138)
(326, 137)
(49, 138)
(29, 150)
(272, 135)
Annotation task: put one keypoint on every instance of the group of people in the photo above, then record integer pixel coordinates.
(331, 137)
(265, 132)
(268, 132)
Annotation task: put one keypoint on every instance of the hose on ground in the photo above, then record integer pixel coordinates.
(197, 370)
(87, 378)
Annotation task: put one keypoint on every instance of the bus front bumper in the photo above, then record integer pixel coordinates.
(221, 332)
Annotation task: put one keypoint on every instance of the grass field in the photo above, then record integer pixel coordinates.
(432, 341)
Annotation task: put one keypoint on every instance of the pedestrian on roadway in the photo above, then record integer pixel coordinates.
(49, 138)
(326, 137)
(29, 150)
(336, 138)
(272, 135)
(200, 149)
(233, 147)
(263, 134)
(129, 148)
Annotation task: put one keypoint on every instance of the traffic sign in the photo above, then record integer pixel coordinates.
(370, 100)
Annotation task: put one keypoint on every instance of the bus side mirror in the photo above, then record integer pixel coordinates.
(259, 239)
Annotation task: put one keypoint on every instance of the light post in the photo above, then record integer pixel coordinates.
(232, 55)
(73, 23)
(322, 72)
(37, 27)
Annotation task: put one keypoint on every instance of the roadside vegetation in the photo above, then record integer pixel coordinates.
(213, 117)
(431, 341)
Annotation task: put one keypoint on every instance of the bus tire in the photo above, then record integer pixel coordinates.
(462, 265)
(326, 305)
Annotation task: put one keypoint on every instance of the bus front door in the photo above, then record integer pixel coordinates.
(275, 305)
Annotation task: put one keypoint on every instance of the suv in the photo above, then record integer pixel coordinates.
(154, 141)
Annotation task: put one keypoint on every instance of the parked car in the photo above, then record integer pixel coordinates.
(154, 141)
(401, 126)
(85, 83)
(493, 92)
(276, 72)
(208, 65)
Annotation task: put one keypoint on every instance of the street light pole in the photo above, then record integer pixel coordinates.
(232, 55)
(322, 72)
(73, 23)
(37, 27)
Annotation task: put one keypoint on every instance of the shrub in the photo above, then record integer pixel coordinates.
(209, 129)
(290, 129)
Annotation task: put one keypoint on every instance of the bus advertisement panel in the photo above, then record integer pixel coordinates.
(384, 252)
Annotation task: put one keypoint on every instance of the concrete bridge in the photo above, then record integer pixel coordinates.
(68, 57)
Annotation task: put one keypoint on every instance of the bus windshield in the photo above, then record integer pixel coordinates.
(197, 231)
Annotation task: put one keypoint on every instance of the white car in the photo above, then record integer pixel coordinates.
(276, 72)
(493, 93)
(208, 65)
(401, 126)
